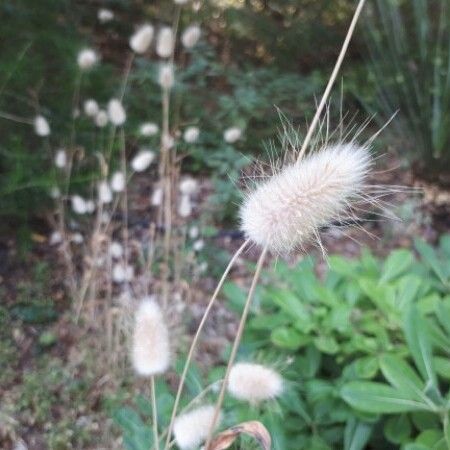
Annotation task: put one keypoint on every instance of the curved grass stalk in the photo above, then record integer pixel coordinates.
(196, 338)
(332, 79)
(237, 341)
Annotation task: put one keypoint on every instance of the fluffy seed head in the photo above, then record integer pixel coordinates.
(86, 59)
(191, 134)
(140, 41)
(254, 382)
(164, 46)
(148, 129)
(105, 15)
(288, 209)
(185, 206)
(157, 197)
(188, 186)
(78, 205)
(91, 107)
(61, 158)
(55, 238)
(166, 76)
(190, 36)
(90, 206)
(150, 350)
(104, 192)
(116, 250)
(232, 135)
(101, 119)
(118, 182)
(122, 272)
(142, 160)
(41, 126)
(191, 429)
(116, 112)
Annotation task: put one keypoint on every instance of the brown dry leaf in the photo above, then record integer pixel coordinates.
(252, 428)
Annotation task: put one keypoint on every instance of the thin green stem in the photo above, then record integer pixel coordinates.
(154, 413)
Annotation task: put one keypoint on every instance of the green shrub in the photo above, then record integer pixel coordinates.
(409, 46)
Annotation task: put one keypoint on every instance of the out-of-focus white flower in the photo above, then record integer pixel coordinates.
(78, 204)
(194, 232)
(105, 218)
(140, 41)
(157, 196)
(198, 245)
(191, 134)
(116, 250)
(167, 141)
(116, 112)
(61, 158)
(104, 192)
(142, 160)
(232, 135)
(76, 113)
(164, 46)
(86, 59)
(188, 186)
(41, 126)
(122, 273)
(77, 238)
(90, 206)
(185, 206)
(101, 119)
(203, 267)
(148, 129)
(166, 76)
(190, 36)
(118, 182)
(55, 192)
(180, 2)
(91, 107)
(55, 238)
(105, 15)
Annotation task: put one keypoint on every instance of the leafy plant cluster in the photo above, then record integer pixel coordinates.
(364, 350)
(369, 346)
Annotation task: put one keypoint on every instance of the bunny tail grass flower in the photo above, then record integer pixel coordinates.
(116, 112)
(41, 126)
(286, 211)
(101, 119)
(150, 346)
(142, 160)
(118, 181)
(166, 77)
(148, 129)
(254, 382)
(232, 135)
(105, 15)
(140, 41)
(79, 205)
(61, 159)
(191, 134)
(191, 429)
(104, 192)
(90, 107)
(190, 36)
(165, 43)
(86, 59)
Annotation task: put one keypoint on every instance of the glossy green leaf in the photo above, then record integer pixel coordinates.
(397, 429)
(356, 434)
(288, 338)
(378, 398)
(397, 263)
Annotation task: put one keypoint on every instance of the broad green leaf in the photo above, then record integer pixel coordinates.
(430, 438)
(326, 344)
(429, 256)
(365, 367)
(356, 434)
(235, 295)
(397, 429)
(396, 263)
(289, 338)
(379, 398)
(402, 376)
(295, 309)
(417, 336)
